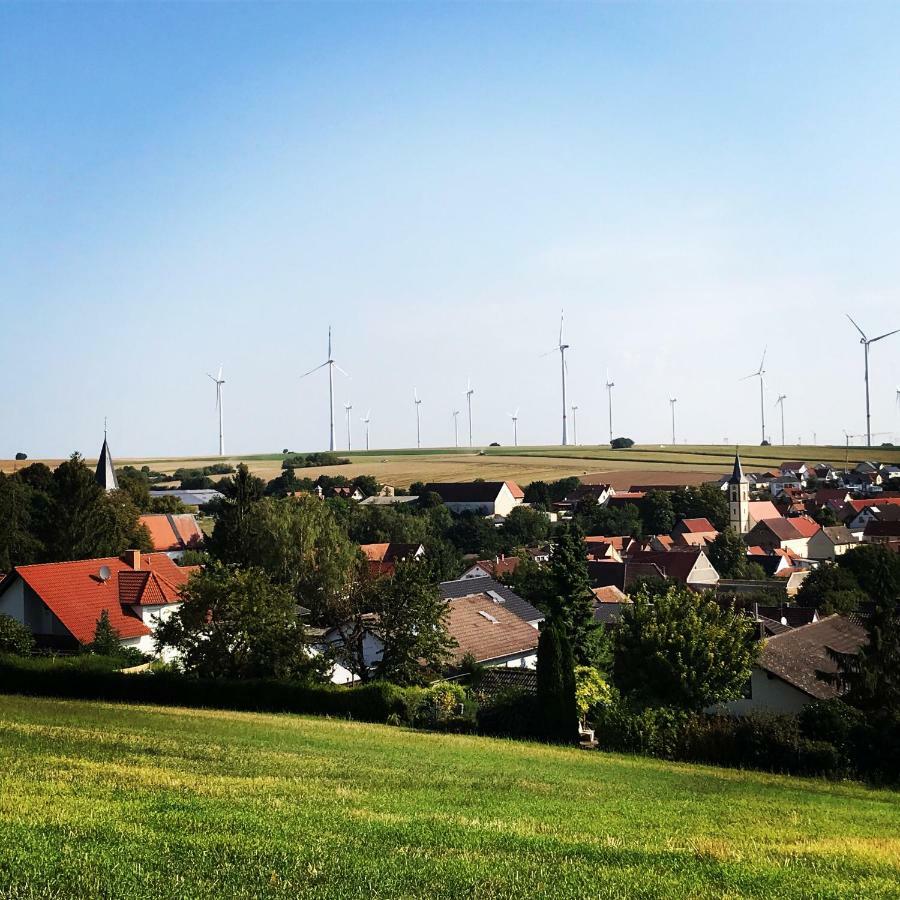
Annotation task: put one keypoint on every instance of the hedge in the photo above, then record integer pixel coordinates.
(52, 677)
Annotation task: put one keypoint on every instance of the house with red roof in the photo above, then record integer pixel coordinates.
(383, 558)
(487, 498)
(173, 533)
(61, 602)
(694, 532)
(782, 534)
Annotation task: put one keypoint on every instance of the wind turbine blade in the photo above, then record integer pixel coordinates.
(329, 342)
(881, 336)
(751, 375)
(210, 376)
(345, 374)
(561, 315)
(219, 378)
(857, 327)
(516, 413)
(316, 369)
(554, 350)
(763, 361)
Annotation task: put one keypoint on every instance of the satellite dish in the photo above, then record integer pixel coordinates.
(104, 573)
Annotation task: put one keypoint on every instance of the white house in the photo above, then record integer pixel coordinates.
(487, 498)
(786, 677)
(61, 602)
(485, 618)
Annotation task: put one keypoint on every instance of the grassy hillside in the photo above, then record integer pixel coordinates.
(117, 801)
(652, 463)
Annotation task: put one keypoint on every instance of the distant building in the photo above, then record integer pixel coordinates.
(383, 558)
(487, 498)
(739, 498)
(105, 473)
(173, 533)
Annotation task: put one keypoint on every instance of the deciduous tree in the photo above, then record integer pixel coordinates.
(682, 650)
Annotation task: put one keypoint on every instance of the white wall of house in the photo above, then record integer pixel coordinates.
(703, 572)
(502, 506)
(768, 693)
(23, 605)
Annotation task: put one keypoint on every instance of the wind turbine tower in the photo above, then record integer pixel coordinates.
(760, 374)
(332, 365)
(455, 427)
(609, 386)
(469, 391)
(574, 426)
(780, 402)
(418, 403)
(672, 402)
(865, 342)
(365, 422)
(561, 347)
(348, 407)
(219, 380)
(515, 420)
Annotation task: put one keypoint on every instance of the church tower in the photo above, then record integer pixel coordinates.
(106, 472)
(739, 498)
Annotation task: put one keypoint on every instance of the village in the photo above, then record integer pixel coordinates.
(761, 545)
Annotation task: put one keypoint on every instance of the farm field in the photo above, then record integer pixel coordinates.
(638, 465)
(104, 800)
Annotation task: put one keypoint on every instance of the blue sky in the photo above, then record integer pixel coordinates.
(188, 185)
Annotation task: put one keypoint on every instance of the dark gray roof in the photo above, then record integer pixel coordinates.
(497, 679)
(798, 655)
(451, 590)
(737, 474)
(466, 491)
(608, 613)
(106, 473)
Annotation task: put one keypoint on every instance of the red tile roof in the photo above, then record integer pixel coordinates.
(171, 531)
(76, 595)
(696, 526)
(515, 490)
(806, 526)
(487, 630)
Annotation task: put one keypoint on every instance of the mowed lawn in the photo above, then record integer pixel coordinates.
(102, 800)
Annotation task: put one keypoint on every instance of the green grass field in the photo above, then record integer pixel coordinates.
(101, 800)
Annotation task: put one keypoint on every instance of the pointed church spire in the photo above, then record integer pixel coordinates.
(106, 472)
(737, 475)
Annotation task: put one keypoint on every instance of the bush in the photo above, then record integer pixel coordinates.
(446, 706)
(93, 678)
(20, 456)
(512, 713)
(621, 443)
(15, 637)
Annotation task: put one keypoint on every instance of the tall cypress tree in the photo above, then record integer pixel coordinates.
(557, 710)
(572, 605)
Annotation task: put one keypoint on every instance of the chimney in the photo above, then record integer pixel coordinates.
(133, 559)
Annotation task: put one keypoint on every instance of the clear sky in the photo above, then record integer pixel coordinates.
(188, 185)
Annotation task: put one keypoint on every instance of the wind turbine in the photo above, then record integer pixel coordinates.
(332, 365)
(672, 402)
(365, 422)
(418, 403)
(574, 426)
(219, 380)
(609, 386)
(865, 342)
(455, 427)
(780, 402)
(469, 391)
(760, 374)
(561, 347)
(348, 407)
(515, 420)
